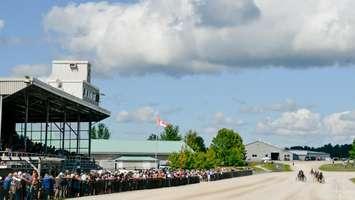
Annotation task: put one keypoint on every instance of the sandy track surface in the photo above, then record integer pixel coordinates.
(269, 186)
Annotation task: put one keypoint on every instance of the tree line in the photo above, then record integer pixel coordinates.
(336, 151)
(226, 149)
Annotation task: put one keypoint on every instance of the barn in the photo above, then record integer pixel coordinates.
(259, 151)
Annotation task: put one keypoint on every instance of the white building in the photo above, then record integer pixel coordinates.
(130, 162)
(309, 155)
(134, 154)
(258, 151)
(74, 77)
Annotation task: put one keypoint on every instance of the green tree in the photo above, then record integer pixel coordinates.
(211, 159)
(183, 160)
(174, 160)
(192, 160)
(102, 132)
(194, 141)
(153, 137)
(229, 148)
(93, 133)
(352, 151)
(171, 133)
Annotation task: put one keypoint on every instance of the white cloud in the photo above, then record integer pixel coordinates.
(36, 70)
(205, 36)
(2, 24)
(286, 106)
(220, 120)
(224, 13)
(339, 127)
(340, 124)
(144, 114)
(300, 122)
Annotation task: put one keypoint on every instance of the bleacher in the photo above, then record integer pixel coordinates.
(79, 162)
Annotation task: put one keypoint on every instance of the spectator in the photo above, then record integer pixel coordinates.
(6, 186)
(47, 186)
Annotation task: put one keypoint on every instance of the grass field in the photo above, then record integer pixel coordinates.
(277, 167)
(337, 168)
(257, 169)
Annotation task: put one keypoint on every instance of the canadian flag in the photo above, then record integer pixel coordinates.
(161, 122)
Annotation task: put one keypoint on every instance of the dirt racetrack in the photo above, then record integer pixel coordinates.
(268, 186)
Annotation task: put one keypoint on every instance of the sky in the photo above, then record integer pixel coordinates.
(274, 70)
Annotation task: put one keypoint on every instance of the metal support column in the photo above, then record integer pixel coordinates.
(46, 128)
(78, 136)
(51, 135)
(70, 132)
(89, 147)
(41, 133)
(0, 122)
(26, 119)
(63, 129)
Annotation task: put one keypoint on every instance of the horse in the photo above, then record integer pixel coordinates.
(320, 178)
(301, 176)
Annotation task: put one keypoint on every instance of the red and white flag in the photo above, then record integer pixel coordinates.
(161, 122)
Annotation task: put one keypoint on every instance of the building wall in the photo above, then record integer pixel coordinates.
(310, 155)
(11, 86)
(74, 88)
(74, 77)
(107, 164)
(107, 161)
(136, 164)
(318, 156)
(71, 71)
(258, 150)
(115, 155)
(112, 164)
(302, 157)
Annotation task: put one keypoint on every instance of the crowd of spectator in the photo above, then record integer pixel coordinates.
(22, 185)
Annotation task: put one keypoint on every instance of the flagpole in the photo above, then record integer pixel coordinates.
(160, 123)
(156, 142)
(156, 147)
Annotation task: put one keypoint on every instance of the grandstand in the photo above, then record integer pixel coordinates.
(51, 117)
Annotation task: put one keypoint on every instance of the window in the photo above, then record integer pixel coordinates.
(97, 99)
(266, 155)
(254, 155)
(73, 66)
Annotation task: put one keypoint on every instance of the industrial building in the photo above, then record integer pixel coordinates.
(134, 154)
(259, 151)
(309, 155)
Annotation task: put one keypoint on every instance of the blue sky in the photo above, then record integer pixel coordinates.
(196, 70)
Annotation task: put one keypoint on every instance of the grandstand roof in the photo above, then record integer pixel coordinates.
(40, 93)
(136, 147)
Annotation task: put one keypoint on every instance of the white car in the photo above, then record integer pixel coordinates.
(265, 159)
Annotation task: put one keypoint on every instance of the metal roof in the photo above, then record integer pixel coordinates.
(266, 143)
(136, 147)
(40, 93)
